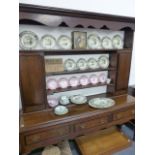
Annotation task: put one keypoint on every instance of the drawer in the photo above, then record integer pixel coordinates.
(91, 123)
(46, 134)
(124, 114)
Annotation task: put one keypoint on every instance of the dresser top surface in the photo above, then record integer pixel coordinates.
(46, 118)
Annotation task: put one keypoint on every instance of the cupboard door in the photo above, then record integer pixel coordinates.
(32, 81)
(124, 60)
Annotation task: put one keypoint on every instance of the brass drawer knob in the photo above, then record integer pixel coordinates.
(82, 126)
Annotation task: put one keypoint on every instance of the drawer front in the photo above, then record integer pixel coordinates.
(124, 114)
(91, 123)
(50, 133)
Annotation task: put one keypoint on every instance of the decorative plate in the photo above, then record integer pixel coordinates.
(94, 41)
(64, 42)
(107, 43)
(48, 42)
(117, 42)
(28, 40)
(92, 63)
(64, 100)
(73, 81)
(78, 99)
(70, 65)
(63, 83)
(93, 79)
(102, 78)
(60, 110)
(84, 80)
(103, 62)
(52, 84)
(53, 102)
(82, 64)
(101, 103)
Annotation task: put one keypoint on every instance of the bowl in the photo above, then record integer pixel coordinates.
(60, 110)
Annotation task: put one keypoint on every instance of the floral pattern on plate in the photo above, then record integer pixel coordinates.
(52, 102)
(103, 62)
(63, 83)
(28, 40)
(64, 42)
(102, 78)
(117, 42)
(84, 80)
(73, 81)
(70, 65)
(92, 63)
(101, 103)
(107, 43)
(78, 99)
(82, 64)
(94, 79)
(52, 84)
(48, 42)
(94, 41)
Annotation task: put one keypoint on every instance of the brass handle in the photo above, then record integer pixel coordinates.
(82, 126)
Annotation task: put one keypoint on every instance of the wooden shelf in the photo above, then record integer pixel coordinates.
(81, 71)
(50, 92)
(72, 51)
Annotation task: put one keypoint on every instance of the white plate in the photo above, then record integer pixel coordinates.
(60, 110)
(117, 42)
(82, 64)
(101, 103)
(103, 62)
(94, 41)
(70, 65)
(64, 42)
(48, 42)
(107, 43)
(78, 99)
(28, 40)
(92, 63)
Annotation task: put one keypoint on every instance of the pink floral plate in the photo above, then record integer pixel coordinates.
(102, 78)
(52, 84)
(73, 81)
(52, 102)
(94, 79)
(84, 80)
(63, 83)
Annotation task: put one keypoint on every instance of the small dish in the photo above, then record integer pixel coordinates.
(117, 42)
(64, 100)
(92, 63)
(28, 40)
(102, 78)
(78, 99)
(101, 103)
(93, 79)
(103, 62)
(84, 80)
(63, 83)
(48, 42)
(64, 42)
(52, 84)
(82, 64)
(70, 65)
(52, 102)
(61, 110)
(94, 41)
(107, 43)
(73, 81)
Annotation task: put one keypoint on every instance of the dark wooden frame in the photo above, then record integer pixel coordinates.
(37, 120)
